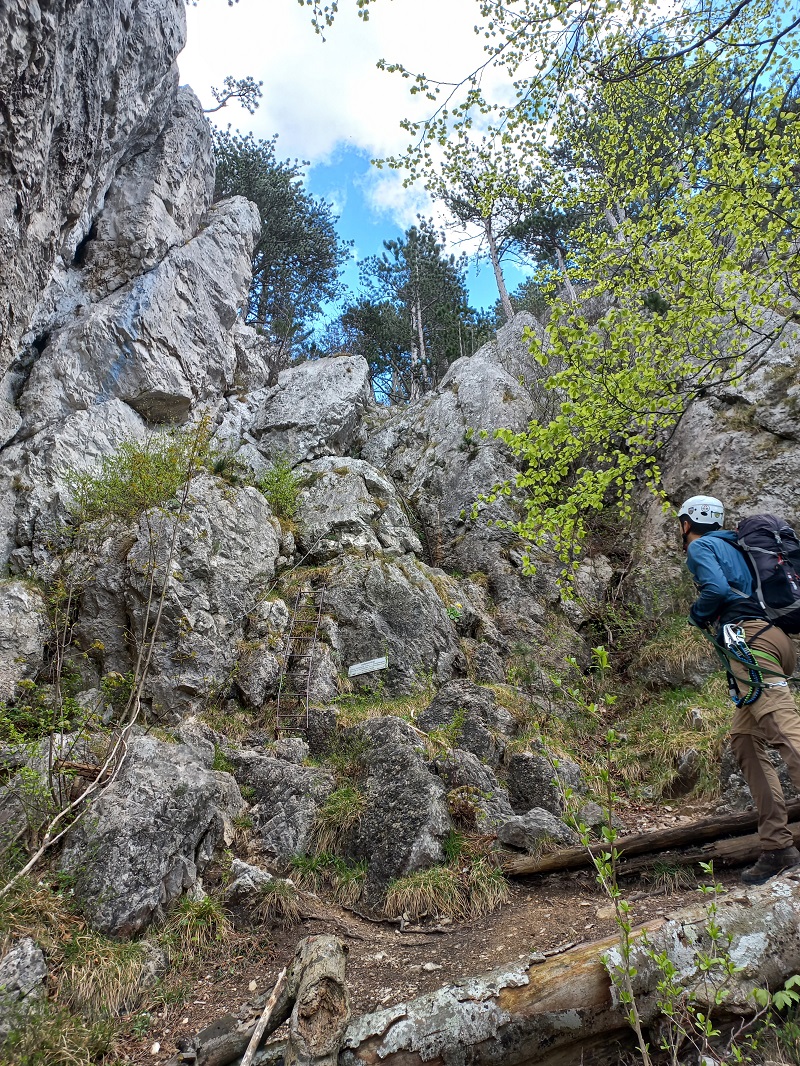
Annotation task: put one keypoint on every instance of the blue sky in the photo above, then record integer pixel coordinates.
(342, 180)
(330, 105)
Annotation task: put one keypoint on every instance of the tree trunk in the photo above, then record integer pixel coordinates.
(322, 1008)
(505, 299)
(564, 1010)
(316, 976)
(640, 843)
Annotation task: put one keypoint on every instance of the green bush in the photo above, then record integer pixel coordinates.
(140, 475)
(280, 487)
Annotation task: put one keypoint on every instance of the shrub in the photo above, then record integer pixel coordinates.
(100, 974)
(280, 487)
(344, 879)
(140, 475)
(277, 901)
(52, 1036)
(435, 891)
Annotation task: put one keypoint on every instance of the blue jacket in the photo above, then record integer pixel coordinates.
(719, 568)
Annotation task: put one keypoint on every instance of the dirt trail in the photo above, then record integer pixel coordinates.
(387, 965)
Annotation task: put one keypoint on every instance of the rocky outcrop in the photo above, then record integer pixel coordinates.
(285, 800)
(162, 342)
(91, 87)
(391, 607)
(315, 409)
(348, 506)
(225, 552)
(150, 834)
(473, 790)
(405, 818)
(23, 972)
(23, 633)
(473, 717)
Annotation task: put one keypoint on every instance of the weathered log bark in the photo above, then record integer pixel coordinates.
(735, 851)
(319, 963)
(640, 843)
(322, 1007)
(564, 1010)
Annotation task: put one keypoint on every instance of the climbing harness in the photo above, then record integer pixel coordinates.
(734, 648)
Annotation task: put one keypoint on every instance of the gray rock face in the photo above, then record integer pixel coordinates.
(285, 799)
(23, 972)
(91, 85)
(314, 410)
(348, 506)
(406, 819)
(149, 835)
(247, 879)
(743, 448)
(434, 452)
(155, 203)
(477, 784)
(482, 726)
(226, 551)
(535, 828)
(530, 782)
(160, 343)
(32, 475)
(391, 607)
(23, 632)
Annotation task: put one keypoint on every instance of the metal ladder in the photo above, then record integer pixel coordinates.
(298, 659)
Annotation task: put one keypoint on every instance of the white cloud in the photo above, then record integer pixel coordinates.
(319, 95)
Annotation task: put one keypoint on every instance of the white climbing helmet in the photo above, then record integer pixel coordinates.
(703, 511)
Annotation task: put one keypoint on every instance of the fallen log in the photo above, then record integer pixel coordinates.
(735, 851)
(322, 1007)
(565, 1010)
(317, 970)
(640, 843)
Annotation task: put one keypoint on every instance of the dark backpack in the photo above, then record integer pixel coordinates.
(772, 550)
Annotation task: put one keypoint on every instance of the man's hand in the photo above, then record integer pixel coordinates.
(696, 620)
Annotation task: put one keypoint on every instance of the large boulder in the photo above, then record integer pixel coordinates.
(150, 834)
(225, 554)
(534, 780)
(473, 789)
(473, 715)
(348, 506)
(92, 86)
(391, 607)
(315, 409)
(535, 830)
(24, 630)
(405, 819)
(285, 799)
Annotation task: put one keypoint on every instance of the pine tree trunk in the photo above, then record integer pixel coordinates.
(505, 299)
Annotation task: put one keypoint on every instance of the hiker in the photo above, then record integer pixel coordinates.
(760, 658)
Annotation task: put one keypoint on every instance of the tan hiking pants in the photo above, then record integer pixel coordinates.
(773, 719)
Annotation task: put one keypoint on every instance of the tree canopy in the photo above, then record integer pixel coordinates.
(298, 256)
(661, 144)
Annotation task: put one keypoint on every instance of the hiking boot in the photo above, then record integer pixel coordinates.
(769, 864)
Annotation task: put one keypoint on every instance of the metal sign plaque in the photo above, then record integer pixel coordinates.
(369, 666)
